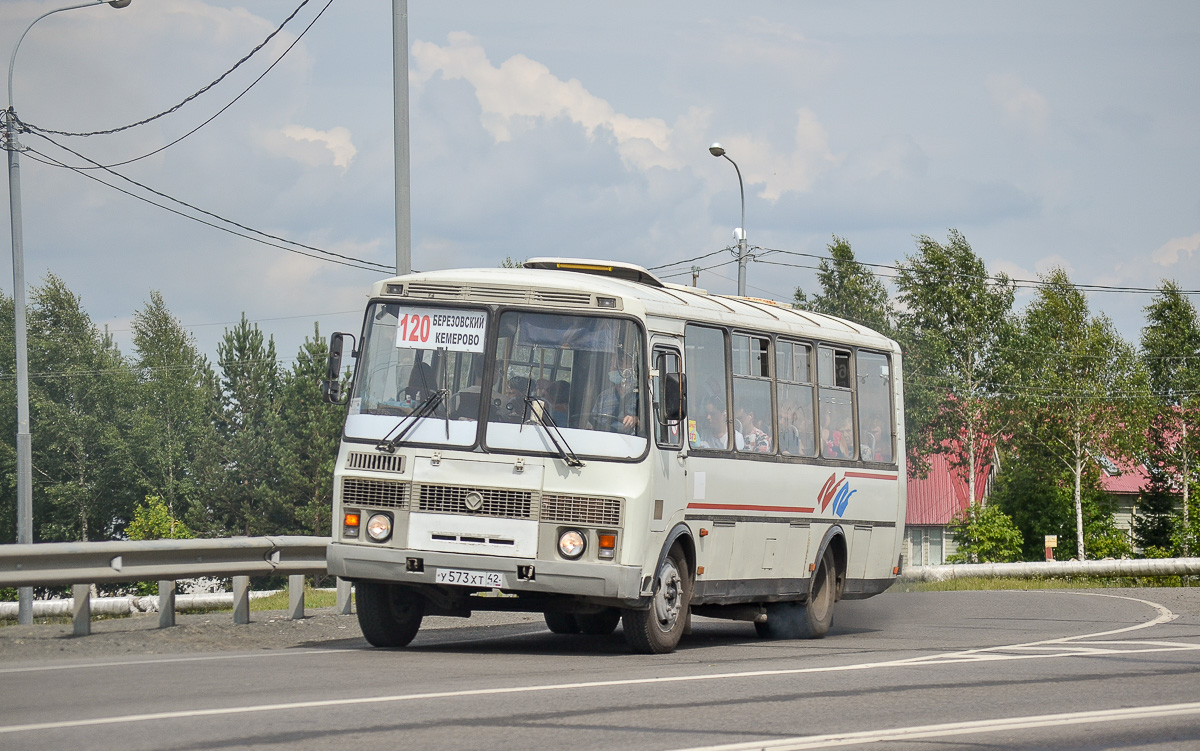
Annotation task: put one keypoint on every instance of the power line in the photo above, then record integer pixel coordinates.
(351, 261)
(190, 97)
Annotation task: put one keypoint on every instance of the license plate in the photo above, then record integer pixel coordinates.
(493, 579)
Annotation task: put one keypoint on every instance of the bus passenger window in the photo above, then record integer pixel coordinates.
(797, 436)
(836, 404)
(752, 419)
(875, 407)
(708, 386)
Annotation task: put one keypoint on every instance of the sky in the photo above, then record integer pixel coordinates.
(1049, 134)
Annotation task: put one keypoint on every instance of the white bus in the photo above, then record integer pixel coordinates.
(581, 439)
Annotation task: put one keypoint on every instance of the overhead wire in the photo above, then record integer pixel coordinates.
(350, 261)
(192, 96)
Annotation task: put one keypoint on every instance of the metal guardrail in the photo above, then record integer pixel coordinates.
(56, 563)
(1141, 567)
(83, 564)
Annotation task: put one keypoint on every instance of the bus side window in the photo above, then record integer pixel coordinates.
(752, 418)
(708, 388)
(667, 378)
(836, 403)
(875, 407)
(793, 367)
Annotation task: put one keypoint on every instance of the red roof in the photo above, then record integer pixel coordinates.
(1129, 481)
(937, 498)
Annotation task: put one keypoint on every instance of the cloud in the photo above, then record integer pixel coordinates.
(522, 93)
(1168, 254)
(336, 141)
(1022, 105)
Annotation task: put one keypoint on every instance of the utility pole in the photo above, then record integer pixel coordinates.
(400, 96)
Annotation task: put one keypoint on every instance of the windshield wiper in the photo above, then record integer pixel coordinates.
(537, 408)
(424, 409)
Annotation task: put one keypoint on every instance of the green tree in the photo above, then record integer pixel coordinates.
(1154, 524)
(985, 534)
(955, 316)
(311, 432)
(82, 406)
(1171, 353)
(1076, 386)
(246, 498)
(152, 520)
(175, 427)
(848, 290)
(8, 423)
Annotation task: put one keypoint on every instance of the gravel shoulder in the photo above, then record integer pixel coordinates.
(212, 632)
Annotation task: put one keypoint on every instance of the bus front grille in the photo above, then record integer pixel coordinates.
(452, 499)
(357, 491)
(576, 509)
(376, 462)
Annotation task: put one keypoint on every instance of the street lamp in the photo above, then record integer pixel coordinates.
(717, 150)
(24, 442)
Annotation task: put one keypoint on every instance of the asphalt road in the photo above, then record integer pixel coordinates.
(1042, 669)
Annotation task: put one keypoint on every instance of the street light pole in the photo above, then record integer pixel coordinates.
(24, 439)
(717, 150)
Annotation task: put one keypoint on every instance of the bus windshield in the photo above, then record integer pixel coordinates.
(580, 376)
(409, 354)
(584, 372)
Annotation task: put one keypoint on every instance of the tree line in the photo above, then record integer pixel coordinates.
(160, 442)
(1051, 396)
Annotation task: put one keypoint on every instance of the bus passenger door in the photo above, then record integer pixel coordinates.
(670, 462)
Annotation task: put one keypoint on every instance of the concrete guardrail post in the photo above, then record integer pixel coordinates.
(166, 603)
(82, 593)
(343, 596)
(241, 599)
(296, 596)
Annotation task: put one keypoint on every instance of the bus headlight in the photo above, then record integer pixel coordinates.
(571, 544)
(379, 527)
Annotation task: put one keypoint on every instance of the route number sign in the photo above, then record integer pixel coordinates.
(441, 328)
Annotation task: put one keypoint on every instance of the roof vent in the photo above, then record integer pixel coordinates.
(615, 269)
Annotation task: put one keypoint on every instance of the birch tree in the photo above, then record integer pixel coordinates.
(1078, 386)
(953, 318)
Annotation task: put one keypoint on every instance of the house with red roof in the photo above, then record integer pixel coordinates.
(933, 502)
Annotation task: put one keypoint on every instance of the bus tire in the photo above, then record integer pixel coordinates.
(388, 615)
(817, 617)
(561, 623)
(599, 624)
(657, 629)
(811, 620)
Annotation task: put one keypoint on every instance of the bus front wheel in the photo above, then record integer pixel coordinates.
(388, 615)
(657, 630)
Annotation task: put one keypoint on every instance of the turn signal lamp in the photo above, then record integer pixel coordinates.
(608, 546)
(350, 524)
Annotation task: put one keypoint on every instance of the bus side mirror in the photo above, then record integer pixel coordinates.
(331, 387)
(674, 396)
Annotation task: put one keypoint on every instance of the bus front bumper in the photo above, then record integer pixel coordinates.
(606, 581)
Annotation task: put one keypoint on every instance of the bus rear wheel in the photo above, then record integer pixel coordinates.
(561, 623)
(811, 620)
(599, 624)
(657, 630)
(388, 615)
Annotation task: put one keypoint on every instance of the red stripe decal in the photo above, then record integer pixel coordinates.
(736, 507)
(866, 476)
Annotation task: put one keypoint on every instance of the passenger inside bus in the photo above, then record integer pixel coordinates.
(421, 383)
(616, 409)
(714, 430)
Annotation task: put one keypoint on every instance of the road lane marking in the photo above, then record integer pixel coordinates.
(985, 654)
(161, 660)
(974, 727)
